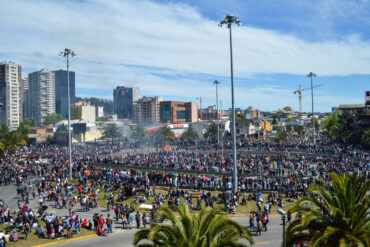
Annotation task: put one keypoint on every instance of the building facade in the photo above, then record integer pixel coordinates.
(178, 112)
(99, 111)
(147, 110)
(83, 111)
(40, 95)
(11, 94)
(123, 101)
(61, 91)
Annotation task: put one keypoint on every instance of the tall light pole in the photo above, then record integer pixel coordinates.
(311, 74)
(229, 20)
(218, 121)
(66, 53)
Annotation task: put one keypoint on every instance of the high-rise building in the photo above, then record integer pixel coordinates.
(25, 96)
(147, 110)
(178, 112)
(11, 94)
(61, 91)
(123, 100)
(41, 95)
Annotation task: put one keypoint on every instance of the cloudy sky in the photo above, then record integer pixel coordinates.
(176, 50)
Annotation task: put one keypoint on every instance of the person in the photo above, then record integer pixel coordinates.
(144, 219)
(259, 227)
(137, 218)
(124, 221)
(89, 225)
(100, 230)
(101, 220)
(108, 221)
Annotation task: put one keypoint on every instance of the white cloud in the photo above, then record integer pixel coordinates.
(173, 37)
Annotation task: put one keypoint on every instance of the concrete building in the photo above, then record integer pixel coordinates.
(99, 111)
(11, 94)
(83, 111)
(25, 95)
(178, 112)
(147, 110)
(40, 95)
(123, 101)
(252, 113)
(61, 91)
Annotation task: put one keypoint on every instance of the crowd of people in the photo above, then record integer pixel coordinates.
(284, 170)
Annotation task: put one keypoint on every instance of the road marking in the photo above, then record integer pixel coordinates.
(267, 242)
(67, 240)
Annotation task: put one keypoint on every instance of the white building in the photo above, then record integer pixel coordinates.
(41, 95)
(99, 111)
(83, 111)
(147, 110)
(11, 94)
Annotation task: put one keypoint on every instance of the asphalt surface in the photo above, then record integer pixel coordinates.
(123, 238)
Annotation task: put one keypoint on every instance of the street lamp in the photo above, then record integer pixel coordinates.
(66, 53)
(229, 20)
(218, 121)
(311, 74)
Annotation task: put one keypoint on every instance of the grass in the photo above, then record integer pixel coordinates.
(33, 239)
(245, 209)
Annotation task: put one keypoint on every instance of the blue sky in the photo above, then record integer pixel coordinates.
(176, 50)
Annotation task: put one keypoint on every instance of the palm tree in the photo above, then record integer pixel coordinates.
(211, 131)
(206, 228)
(140, 134)
(112, 132)
(335, 215)
(189, 134)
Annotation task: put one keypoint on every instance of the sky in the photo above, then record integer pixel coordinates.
(175, 48)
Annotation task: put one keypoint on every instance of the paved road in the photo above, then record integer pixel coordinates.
(124, 238)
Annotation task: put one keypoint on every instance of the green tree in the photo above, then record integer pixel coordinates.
(53, 118)
(189, 134)
(167, 133)
(139, 134)
(112, 132)
(24, 129)
(336, 214)
(100, 119)
(280, 136)
(62, 128)
(211, 131)
(365, 138)
(10, 140)
(28, 122)
(290, 120)
(205, 228)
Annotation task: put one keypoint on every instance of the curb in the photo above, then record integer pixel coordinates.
(67, 240)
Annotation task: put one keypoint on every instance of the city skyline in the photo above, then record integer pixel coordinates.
(176, 50)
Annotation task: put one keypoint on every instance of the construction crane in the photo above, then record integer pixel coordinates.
(299, 92)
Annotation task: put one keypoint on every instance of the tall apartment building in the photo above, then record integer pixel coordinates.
(11, 94)
(41, 95)
(123, 101)
(179, 112)
(147, 110)
(61, 91)
(25, 96)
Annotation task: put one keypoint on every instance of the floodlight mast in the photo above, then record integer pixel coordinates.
(66, 53)
(229, 20)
